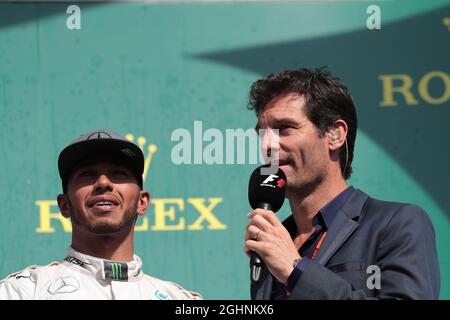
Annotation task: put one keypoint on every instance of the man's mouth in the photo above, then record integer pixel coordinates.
(279, 162)
(103, 203)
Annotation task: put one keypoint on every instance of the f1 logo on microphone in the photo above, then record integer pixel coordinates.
(273, 177)
(270, 178)
(281, 183)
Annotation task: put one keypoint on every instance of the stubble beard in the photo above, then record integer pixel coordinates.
(105, 227)
(303, 184)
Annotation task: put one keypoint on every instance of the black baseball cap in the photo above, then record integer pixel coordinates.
(100, 142)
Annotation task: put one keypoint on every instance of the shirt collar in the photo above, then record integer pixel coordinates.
(103, 269)
(330, 210)
(326, 215)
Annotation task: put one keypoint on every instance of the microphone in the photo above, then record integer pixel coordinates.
(265, 191)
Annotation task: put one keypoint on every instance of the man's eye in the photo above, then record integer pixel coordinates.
(120, 173)
(86, 173)
(283, 129)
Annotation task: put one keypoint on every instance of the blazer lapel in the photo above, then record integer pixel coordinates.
(343, 226)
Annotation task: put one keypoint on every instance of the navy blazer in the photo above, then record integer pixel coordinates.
(398, 238)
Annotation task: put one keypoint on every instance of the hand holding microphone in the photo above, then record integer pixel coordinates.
(265, 191)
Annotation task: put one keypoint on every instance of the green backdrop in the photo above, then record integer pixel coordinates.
(148, 69)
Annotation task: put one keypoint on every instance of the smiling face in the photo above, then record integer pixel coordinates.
(303, 154)
(103, 197)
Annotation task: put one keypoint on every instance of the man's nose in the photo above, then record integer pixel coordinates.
(103, 183)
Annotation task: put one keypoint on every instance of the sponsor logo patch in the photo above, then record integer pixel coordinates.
(162, 295)
(64, 285)
(76, 261)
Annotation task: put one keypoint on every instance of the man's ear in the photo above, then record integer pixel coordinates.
(337, 134)
(144, 201)
(63, 205)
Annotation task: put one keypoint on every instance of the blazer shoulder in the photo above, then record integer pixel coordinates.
(392, 208)
(403, 213)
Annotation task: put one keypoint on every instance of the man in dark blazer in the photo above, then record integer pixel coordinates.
(339, 243)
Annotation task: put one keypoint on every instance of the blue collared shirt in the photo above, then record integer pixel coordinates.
(322, 221)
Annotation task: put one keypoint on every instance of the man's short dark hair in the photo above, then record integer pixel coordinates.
(326, 101)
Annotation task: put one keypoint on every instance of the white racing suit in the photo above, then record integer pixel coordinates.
(79, 276)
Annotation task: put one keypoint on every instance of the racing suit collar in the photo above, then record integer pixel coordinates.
(104, 269)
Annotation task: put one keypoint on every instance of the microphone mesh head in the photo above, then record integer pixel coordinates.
(267, 189)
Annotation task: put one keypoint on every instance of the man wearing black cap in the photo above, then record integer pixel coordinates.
(101, 177)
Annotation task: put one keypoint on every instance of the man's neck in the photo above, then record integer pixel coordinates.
(117, 247)
(305, 207)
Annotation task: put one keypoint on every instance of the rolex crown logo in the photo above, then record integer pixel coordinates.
(148, 152)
